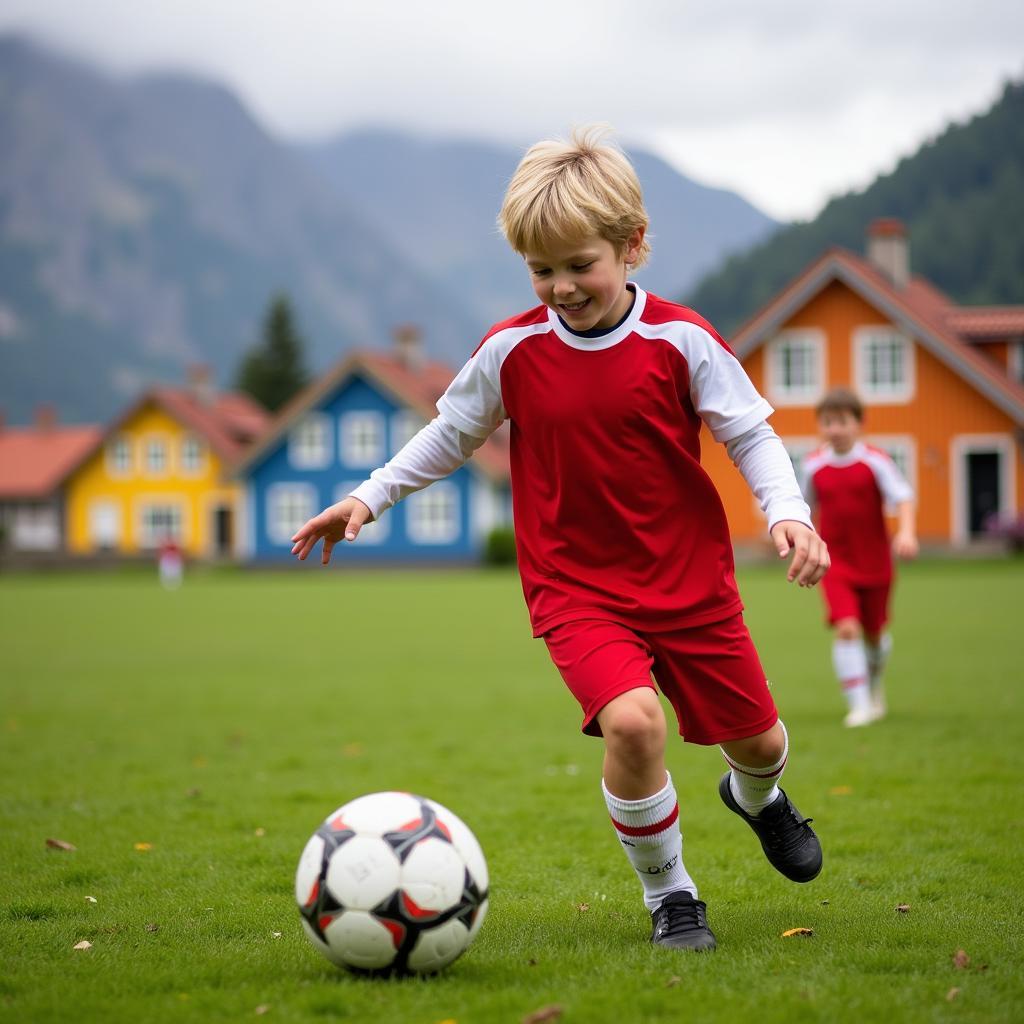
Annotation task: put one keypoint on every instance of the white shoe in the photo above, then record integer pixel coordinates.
(857, 717)
(878, 705)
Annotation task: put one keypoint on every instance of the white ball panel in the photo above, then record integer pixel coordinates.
(438, 947)
(320, 945)
(377, 813)
(433, 874)
(363, 872)
(465, 842)
(359, 940)
(308, 871)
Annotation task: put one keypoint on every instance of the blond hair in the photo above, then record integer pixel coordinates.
(566, 191)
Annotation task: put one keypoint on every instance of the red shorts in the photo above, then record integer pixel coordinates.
(711, 674)
(868, 605)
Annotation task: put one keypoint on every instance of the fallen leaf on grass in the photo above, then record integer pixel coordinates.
(260, 832)
(261, 1009)
(840, 791)
(276, 935)
(797, 931)
(84, 944)
(90, 899)
(545, 1013)
(673, 981)
(903, 908)
(193, 792)
(825, 903)
(152, 927)
(60, 844)
(143, 847)
(960, 959)
(583, 907)
(531, 962)
(952, 994)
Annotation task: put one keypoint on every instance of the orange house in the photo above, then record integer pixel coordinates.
(941, 386)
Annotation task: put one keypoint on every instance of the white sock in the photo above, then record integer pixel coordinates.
(755, 788)
(877, 656)
(648, 830)
(851, 664)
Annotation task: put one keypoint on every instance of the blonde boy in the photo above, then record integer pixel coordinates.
(623, 546)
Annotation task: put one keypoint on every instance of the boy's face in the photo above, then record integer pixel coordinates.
(584, 281)
(840, 429)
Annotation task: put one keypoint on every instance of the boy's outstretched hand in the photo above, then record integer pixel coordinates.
(810, 553)
(341, 521)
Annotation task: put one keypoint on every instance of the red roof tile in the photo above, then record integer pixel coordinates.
(33, 461)
(228, 422)
(986, 321)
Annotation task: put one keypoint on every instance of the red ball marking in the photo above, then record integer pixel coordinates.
(411, 826)
(397, 930)
(444, 830)
(338, 825)
(413, 909)
(325, 920)
(313, 893)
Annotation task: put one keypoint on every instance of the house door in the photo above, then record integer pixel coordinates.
(105, 525)
(222, 530)
(984, 499)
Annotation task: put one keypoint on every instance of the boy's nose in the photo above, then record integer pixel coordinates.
(564, 287)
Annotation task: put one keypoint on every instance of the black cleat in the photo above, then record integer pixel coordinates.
(681, 922)
(787, 839)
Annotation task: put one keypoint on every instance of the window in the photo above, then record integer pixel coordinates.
(119, 456)
(159, 523)
(309, 444)
(288, 507)
(105, 524)
(796, 366)
(883, 364)
(156, 456)
(362, 439)
(371, 533)
(191, 455)
(432, 515)
(404, 426)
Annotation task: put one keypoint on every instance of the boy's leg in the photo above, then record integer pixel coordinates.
(750, 789)
(848, 656)
(877, 642)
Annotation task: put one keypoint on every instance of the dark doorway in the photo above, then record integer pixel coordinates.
(222, 531)
(982, 490)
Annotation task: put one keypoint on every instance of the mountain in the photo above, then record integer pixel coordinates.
(145, 224)
(962, 199)
(437, 200)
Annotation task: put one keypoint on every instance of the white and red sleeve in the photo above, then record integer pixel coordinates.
(891, 482)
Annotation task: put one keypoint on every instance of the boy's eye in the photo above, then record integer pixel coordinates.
(580, 267)
(540, 271)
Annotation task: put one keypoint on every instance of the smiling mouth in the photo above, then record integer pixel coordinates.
(573, 307)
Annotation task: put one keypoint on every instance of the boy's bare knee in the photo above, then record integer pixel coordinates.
(634, 725)
(848, 629)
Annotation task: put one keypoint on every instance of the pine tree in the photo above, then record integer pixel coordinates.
(273, 371)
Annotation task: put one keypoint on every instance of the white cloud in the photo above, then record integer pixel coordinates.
(787, 103)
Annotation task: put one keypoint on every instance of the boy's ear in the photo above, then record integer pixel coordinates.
(632, 247)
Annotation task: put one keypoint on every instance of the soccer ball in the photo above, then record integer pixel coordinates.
(392, 882)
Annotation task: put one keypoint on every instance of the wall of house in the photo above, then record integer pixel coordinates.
(404, 533)
(944, 415)
(98, 494)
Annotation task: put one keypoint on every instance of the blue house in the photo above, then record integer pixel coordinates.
(342, 426)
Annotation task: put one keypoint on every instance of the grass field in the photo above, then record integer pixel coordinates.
(219, 724)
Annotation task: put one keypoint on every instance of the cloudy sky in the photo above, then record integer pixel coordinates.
(786, 102)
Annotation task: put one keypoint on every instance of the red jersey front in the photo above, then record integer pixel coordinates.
(615, 518)
(851, 491)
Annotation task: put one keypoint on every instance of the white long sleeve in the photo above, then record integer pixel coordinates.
(433, 453)
(761, 458)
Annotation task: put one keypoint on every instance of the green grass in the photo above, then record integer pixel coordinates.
(249, 702)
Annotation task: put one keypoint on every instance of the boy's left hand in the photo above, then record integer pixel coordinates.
(810, 553)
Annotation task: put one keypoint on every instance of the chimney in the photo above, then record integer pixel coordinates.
(889, 250)
(409, 347)
(45, 417)
(200, 383)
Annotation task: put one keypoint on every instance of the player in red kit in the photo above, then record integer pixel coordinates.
(851, 483)
(622, 541)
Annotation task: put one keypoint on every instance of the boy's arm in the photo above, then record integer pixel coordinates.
(896, 491)
(762, 459)
(432, 454)
(904, 543)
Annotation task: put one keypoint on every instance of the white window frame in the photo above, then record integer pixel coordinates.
(959, 448)
(151, 538)
(371, 533)
(309, 442)
(101, 512)
(899, 392)
(121, 443)
(812, 340)
(422, 522)
(906, 446)
(192, 455)
(361, 438)
(304, 495)
(150, 444)
(405, 425)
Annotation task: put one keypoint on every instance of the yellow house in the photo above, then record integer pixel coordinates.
(156, 475)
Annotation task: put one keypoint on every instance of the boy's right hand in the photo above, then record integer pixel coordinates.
(341, 521)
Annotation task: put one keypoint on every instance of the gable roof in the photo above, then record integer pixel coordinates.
(416, 388)
(34, 460)
(919, 309)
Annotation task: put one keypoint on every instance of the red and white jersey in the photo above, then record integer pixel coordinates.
(851, 491)
(615, 518)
